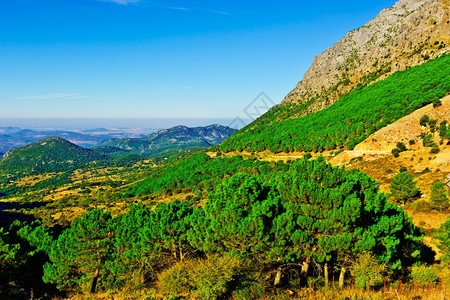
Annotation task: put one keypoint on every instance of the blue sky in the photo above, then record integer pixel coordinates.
(161, 59)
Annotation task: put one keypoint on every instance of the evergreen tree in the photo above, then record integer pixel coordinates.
(79, 255)
(443, 236)
(439, 198)
(403, 187)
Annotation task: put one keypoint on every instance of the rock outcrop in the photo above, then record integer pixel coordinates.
(404, 35)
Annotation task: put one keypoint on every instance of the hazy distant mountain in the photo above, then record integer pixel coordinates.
(52, 154)
(178, 137)
(13, 137)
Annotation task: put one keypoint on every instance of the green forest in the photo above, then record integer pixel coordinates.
(264, 226)
(350, 120)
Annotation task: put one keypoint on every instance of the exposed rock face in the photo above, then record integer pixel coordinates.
(402, 36)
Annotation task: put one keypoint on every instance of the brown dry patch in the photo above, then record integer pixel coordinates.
(32, 180)
(406, 129)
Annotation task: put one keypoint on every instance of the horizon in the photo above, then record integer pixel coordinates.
(79, 124)
(94, 59)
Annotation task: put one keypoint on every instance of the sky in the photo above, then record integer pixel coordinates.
(146, 59)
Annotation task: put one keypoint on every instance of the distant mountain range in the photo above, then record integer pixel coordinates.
(55, 154)
(13, 137)
(179, 137)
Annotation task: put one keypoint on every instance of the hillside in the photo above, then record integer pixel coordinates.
(351, 119)
(402, 36)
(52, 154)
(179, 137)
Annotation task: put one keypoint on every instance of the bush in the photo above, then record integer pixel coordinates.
(403, 187)
(395, 152)
(423, 274)
(424, 120)
(366, 267)
(412, 142)
(435, 149)
(443, 235)
(439, 198)
(420, 206)
(401, 147)
(175, 280)
(211, 278)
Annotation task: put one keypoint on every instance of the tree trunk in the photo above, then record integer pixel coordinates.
(325, 271)
(94, 281)
(277, 280)
(342, 277)
(305, 267)
(181, 251)
(174, 248)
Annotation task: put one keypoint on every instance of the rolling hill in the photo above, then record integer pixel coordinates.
(175, 138)
(52, 154)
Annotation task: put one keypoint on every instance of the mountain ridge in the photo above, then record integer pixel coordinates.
(399, 37)
(177, 137)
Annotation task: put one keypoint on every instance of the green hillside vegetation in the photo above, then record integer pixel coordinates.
(175, 138)
(255, 231)
(195, 173)
(49, 155)
(351, 119)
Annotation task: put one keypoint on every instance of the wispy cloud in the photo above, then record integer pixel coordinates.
(122, 2)
(55, 96)
(205, 10)
(179, 8)
(217, 11)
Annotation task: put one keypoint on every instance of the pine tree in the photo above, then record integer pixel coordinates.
(79, 256)
(439, 198)
(403, 187)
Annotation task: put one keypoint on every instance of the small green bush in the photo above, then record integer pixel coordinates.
(420, 206)
(423, 274)
(366, 267)
(439, 198)
(395, 152)
(435, 149)
(212, 278)
(175, 280)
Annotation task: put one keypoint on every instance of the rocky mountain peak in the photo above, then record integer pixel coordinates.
(404, 35)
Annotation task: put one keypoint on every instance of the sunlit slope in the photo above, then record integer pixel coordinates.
(351, 119)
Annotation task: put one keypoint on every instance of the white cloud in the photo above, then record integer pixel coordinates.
(218, 11)
(54, 96)
(179, 8)
(122, 2)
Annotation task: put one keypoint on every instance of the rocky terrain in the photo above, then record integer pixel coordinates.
(404, 35)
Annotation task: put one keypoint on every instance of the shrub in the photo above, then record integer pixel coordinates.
(401, 147)
(175, 280)
(395, 152)
(424, 120)
(439, 198)
(412, 142)
(210, 278)
(213, 276)
(443, 235)
(423, 274)
(403, 187)
(421, 206)
(435, 149)
(366, 267)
